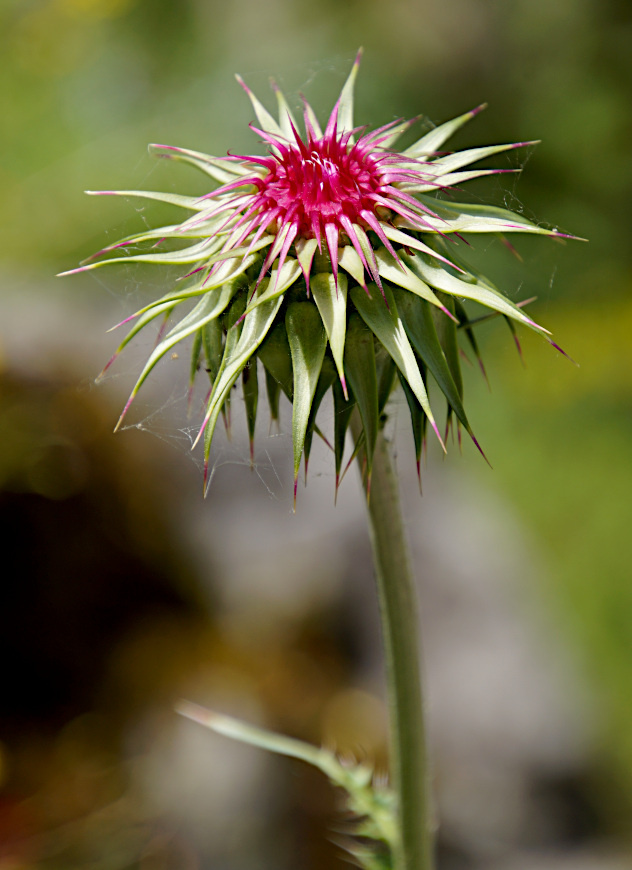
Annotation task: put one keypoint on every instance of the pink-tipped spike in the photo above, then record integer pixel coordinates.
(480, 449)
(450, 315)
(477, 110)
(125, 410)
(563, 352)
(343, 384)
(519, 348)
(511, 248)
(101, 374)
(482, 368)
(75, 271)
(438, 434)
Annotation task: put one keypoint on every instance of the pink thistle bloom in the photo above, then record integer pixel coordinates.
(332, 261)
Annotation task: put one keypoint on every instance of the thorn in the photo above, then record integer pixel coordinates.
(295, 488)
(438, 434)
(343, 384)
(479, 448)
(105, 368)
(511, 249)
(563, 352)
(336, 490)
(450, 315)
(125, 410)
(205, 481)
(122, 322)
(519, 349)
(418, 463)
(464, 356)
(306, 462)
(482, 367)
(252, 454)
(478, 109)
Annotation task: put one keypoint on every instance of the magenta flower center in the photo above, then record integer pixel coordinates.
(322, 188)
(323, 181)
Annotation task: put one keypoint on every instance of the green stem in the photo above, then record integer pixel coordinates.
(398, 610)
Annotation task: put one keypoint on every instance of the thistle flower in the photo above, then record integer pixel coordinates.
(331, 260)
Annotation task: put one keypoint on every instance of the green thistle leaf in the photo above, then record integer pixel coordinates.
(362, 373)
(308, 341)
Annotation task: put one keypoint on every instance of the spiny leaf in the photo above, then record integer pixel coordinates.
(469, 332)
(263, 116)
(332, 305)
(433, 140)
(421, 329)
(212, 338)
(387, 326)
(343, 409)
(250, 385)
(460, 217)
(254, 330)
(409, 241)
(451, 162)
(452, 179)
(326, 379)
(207, 309)
(276, 284)
(418, 421)
(286, 118)
(142, 321)
(196, 352)
(350, 261)
(345, 110)
(198, 229)
(386, 369)
(446, 333)
(228, 271)
(220, 169)
(275, 355)
(403, 276)
(193, 254)
(440, 279)
(307, 339)
(361, 369)
(273, 391)
(193, 203)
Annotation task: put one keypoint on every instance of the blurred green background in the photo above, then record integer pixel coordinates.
(84, 85)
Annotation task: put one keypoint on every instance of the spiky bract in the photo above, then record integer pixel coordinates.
(332, 261)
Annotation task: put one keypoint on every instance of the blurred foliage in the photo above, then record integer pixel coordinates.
(85, 84)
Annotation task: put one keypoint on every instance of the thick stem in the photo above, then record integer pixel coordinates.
(398, 610)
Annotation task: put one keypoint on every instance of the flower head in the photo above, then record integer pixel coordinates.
(331, 260)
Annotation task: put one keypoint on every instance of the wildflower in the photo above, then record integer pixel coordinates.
(331, 260)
